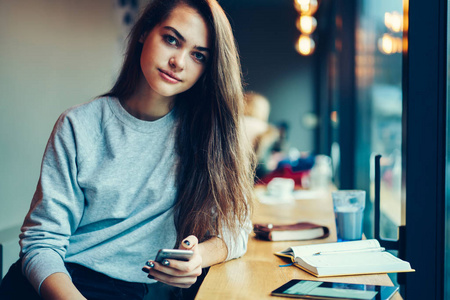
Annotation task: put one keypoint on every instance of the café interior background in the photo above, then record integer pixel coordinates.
(57, 54)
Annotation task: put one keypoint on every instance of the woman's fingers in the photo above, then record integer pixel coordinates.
(179, 285)
(180, 281)
(176, 267)
(189, 243)
(178, 273)
(171, 276)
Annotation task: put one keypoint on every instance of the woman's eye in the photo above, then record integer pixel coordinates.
(171, 40)
(199, 56)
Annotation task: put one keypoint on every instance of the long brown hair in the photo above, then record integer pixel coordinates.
(216, 165)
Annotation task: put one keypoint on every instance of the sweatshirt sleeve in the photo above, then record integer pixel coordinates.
(55, 210)
(237, 246)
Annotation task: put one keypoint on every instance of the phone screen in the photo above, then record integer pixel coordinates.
(334, 290)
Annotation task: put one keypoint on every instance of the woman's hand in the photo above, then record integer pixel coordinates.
(178, 273)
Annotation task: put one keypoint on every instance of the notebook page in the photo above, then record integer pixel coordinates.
(302, 251)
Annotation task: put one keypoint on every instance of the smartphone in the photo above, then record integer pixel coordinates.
(163, 254)
(306, 289)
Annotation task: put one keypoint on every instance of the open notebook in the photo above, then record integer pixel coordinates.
(345, 258)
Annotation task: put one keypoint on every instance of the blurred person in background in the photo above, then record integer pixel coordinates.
(264, 137)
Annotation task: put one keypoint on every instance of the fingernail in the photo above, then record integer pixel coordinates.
(149, 264)
(166, 262)
(145, 270)
(151, 277)
(186, 242)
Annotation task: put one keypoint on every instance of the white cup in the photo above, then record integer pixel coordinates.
(281, 187)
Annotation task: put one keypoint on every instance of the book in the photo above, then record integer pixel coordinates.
(290, 232)
(345, 258)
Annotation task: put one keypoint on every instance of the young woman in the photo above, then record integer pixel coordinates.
(158, 162)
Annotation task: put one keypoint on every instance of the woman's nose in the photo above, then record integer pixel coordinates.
(178, 61)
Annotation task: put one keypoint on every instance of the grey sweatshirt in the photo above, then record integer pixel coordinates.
(105, 195)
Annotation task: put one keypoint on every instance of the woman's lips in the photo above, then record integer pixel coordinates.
(169, 76)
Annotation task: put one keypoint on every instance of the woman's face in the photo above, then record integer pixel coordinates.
(175, 52)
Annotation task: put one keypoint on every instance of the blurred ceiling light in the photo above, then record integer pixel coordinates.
(386, 44)
(302, 2)
(397, 22)
(389, 44)
(305, 45)
(398, 45)
(306, 24)
(393, 21)
(387, 19)
(306, 7)
(310, 120)
(334, 116)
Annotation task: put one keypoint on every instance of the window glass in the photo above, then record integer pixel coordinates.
(379, 108)
(447, 172)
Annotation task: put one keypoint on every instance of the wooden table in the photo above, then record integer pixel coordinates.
(257, 273)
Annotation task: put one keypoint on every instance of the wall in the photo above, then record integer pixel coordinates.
(53, 55)
(266, 33)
